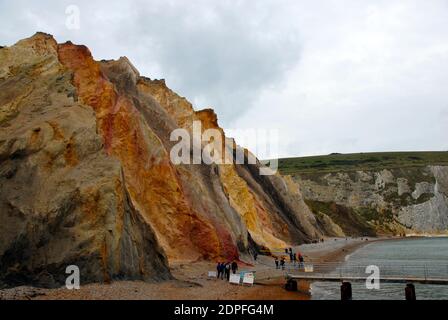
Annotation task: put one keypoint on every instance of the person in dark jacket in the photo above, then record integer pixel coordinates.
(227, 271)
(276, 263)
(218, 269)
(282, 263)
(301, 260)
(234, 267)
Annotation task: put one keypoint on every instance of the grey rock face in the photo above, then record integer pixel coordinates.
(408, 200)
(429, 217)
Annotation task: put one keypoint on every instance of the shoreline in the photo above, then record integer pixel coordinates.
(335, 250)
(338, 249)
(191, 281)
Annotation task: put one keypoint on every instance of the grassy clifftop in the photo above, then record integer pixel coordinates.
(403, 199)
(361, 161)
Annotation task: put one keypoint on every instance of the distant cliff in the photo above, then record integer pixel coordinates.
(371, 194)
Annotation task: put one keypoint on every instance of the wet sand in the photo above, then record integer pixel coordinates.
(335, 249)
(192, 282)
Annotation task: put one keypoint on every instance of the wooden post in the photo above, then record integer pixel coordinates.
(291, 285)
(409, 292)
(346, 291)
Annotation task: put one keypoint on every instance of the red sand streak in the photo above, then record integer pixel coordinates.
(154, 186)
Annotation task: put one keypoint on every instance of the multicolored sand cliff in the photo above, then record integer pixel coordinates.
(86, 176)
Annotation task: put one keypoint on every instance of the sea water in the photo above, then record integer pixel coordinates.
(402, 253)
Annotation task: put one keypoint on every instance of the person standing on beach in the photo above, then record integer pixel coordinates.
(234, 267)
(223, 270)
(276, 263)
(227, 271)
(301, 260)
(218, 269)
(282, 263)
(294, 258)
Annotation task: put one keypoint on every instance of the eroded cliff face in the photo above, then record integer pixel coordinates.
(63, 200)
(86, 176)
(411, 200)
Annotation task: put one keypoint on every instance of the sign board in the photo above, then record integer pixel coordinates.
(309, 268)
(248, 278)
(242, 273)
(234, 278)
(212, 274)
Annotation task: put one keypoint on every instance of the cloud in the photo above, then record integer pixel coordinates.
(370, 78)
(332, 76)
(220, 53)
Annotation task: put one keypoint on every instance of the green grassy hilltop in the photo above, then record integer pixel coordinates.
(361, 161)
(371, 202)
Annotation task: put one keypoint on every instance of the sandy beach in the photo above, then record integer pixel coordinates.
(192, 282)
(335, 249)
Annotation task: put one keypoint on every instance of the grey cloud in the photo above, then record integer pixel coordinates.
(222, 54)
(216, 53)
(334, 76)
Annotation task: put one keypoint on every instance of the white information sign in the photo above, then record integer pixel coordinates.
(212, 274)
(248, 278)
(235, 278)
(309, 268)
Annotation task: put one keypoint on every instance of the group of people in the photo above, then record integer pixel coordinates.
(223, 269)
(280, 264)
(293, 257)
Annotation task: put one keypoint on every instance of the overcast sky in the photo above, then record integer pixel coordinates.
(331, 76)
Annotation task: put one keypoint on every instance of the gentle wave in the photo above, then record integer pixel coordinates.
(411, 254)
